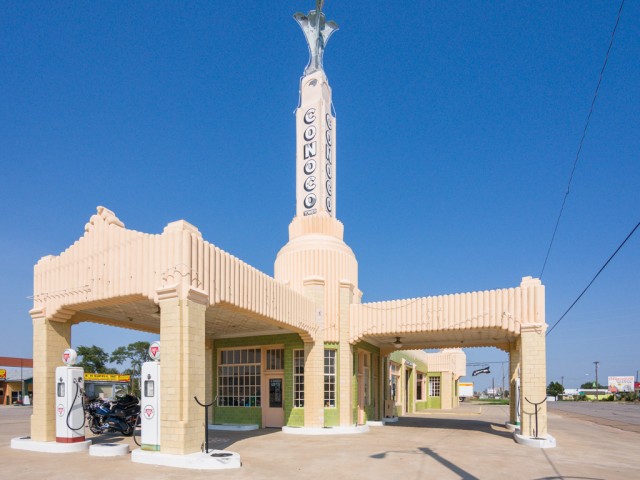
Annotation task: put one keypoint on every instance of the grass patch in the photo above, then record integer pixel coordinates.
(491, 401)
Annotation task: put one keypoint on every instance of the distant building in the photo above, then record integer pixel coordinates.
(420, 380)
(16, 380)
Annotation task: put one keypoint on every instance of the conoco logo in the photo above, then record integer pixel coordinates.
(148, 412)
(60, 410)
(154, 351)
(66, 356)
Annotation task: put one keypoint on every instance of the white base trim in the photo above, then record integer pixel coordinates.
(548, 442)
(25, 443)
(233, 427)
(326, 430)
(193, 461)
(109, 449)
(390, 419)
(512, 427)
(375, 423)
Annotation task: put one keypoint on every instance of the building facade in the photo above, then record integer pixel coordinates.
(420, 381)
(16, 381)
(298, 349)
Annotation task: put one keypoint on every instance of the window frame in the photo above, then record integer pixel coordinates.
(239, 381)
(330, 378)
(298, 378)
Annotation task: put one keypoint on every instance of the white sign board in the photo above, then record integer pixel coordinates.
(620, 384)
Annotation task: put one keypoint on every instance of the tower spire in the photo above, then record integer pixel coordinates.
(317, 32)
(315, 123)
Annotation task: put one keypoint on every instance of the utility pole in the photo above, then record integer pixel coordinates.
(596, 364)
(502, 380)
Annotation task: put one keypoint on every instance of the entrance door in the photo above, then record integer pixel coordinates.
(273, 408)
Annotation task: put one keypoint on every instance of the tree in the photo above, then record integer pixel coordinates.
(555, 389)
(135, 354)
(94, 360)
(589, 385)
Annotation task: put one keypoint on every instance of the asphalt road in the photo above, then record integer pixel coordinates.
(620, 415)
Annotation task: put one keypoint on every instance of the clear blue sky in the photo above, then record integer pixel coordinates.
(458, 124)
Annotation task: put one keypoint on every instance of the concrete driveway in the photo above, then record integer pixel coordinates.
(470, 443)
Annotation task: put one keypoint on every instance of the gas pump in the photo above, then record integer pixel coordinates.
(150, 401)
(69, 400)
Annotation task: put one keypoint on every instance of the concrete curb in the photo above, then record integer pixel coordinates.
(548, 442)
(326, 430)
(25, 443)
(192, 461)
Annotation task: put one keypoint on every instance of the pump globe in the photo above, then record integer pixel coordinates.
(69, 356)
(154, 351)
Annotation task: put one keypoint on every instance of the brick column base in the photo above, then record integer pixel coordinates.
(50, 339)
(533, 379)
(182, 369)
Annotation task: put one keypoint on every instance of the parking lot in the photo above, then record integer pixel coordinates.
(469, 443)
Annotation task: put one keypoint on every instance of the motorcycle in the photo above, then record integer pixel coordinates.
(121, 415)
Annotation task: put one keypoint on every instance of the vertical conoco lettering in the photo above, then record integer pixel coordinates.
(310, 133)
(310, 116)
(310, 150)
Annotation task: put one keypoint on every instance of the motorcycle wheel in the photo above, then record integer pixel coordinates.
(94, 429)
(128, 431)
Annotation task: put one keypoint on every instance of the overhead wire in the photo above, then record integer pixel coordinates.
(594, 278)
(584, 134)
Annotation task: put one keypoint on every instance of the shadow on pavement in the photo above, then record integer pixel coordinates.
(559, 476)
(452, 424)
(222, 439)
(464, 475)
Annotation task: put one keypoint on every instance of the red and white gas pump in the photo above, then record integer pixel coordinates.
(150, 401)
(69, 400)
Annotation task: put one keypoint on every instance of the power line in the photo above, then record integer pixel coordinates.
(596, 276)
(584, 133)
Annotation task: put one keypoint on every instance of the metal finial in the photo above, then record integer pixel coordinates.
(317, 32)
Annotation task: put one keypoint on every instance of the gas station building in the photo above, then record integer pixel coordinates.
(299, 349)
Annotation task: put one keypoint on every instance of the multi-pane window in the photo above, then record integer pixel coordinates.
(367, 381)
(329, 378)
(239, 378)
(419, 386)
(275, 359)
(434, 386)
(298, 378)
(394, 380)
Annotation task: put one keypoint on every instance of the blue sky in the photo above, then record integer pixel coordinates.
(458, 124)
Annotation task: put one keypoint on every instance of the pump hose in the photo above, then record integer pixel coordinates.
(75, 381)
(135, 426)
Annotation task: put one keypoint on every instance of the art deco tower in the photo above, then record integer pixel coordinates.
(316, 261)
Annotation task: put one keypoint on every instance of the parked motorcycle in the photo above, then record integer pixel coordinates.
(121, 415)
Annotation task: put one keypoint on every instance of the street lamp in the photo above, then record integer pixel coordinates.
(596, 364)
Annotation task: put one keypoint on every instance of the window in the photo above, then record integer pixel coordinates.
(419, 386)
(239, 378)
(329, 378)
(394, 380)
(275, 359)
(434, 386)
(364, 359)
(298, 378)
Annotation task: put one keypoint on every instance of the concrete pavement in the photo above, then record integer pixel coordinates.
(466, 444)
